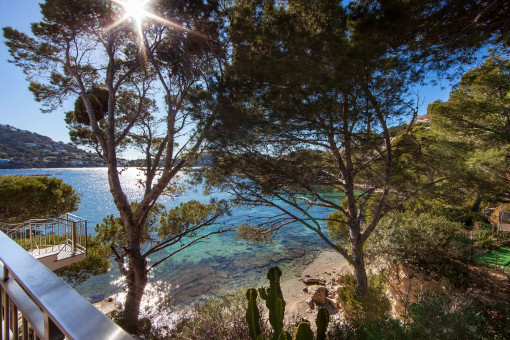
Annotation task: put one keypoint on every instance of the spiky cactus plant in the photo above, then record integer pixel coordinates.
(252, 314)
(285, 336)
(322, 323)
(274, 301)
(303, 331)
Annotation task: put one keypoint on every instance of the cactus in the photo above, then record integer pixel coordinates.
(303, 331)
(322, 323)
(252, 314)
(276, 306)
(274, 301)
(285, 336)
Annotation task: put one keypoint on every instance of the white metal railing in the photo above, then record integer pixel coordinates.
(40, 236)
(504, 221)
(36, 304)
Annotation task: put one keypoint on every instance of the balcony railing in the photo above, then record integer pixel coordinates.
(504, 221)
(36, 304)
(56, 242)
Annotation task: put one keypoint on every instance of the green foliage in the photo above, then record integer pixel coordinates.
(338, 229)
(256, 233)
(97, 262)
(485, 239)
(373, 305)
(383, 329)
(252, 314)
(276, 306)
(99, 99)
(217, 318)
(479, 108)
(322, 322)
(274, 301)
(422, 240)
(285, 336)
(26, 197)
(111, 231)
(434, 318)
(187, 216)
(163, 227)
(303, 331)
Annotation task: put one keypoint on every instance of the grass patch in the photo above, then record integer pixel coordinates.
(500, 257)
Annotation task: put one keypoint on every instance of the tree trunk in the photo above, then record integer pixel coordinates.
(476, 204)
(136, 280)
(359, 267)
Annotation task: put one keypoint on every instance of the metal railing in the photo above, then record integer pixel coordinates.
(504, 221)
(36, 304)
(43, 236)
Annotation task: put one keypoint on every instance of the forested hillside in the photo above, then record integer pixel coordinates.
(23, 149)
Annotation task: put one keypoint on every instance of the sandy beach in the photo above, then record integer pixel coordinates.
(328, 265)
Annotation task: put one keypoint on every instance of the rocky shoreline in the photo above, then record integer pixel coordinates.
(304, 293)
(314, 288)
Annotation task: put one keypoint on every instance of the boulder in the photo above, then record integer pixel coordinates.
(319, 295)
(312, 281)
(310, 303)
(334, 303)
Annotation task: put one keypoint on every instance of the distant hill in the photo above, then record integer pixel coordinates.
(25, 149)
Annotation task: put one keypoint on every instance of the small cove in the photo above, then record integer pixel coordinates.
(214, 267)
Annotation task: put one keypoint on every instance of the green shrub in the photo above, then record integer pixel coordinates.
(423, 240)
(26, 197)
(383, 329)
(217, 318)
(485, 239)
(436, 317)
(373, 305)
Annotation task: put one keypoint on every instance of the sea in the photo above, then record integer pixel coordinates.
(218, 265)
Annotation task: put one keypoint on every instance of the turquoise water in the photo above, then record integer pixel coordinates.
(216, 266)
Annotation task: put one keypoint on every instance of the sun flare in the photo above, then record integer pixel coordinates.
(135, 9)
(138, 12)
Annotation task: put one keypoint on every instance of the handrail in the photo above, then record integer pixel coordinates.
(35, 235)
(61, 312)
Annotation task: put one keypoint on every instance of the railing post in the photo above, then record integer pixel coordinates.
(51, 331)
(86, 240)
(6, 315)
(1, 312)
(74, 237)
(30, 231)
(14, 321)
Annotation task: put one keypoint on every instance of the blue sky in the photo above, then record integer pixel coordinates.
(19, 108)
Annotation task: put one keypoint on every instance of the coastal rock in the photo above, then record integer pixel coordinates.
(319, 295)
(335, 304)
(310, 303)
(305, 289)
(312, 281)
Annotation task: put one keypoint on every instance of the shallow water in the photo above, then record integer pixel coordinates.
(216, 266)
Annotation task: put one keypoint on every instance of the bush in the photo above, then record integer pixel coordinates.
(26, 197)
(384, 329)
(423, 240)
(485, 239)
(218, 318)
(373, 305)
(436, 317)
